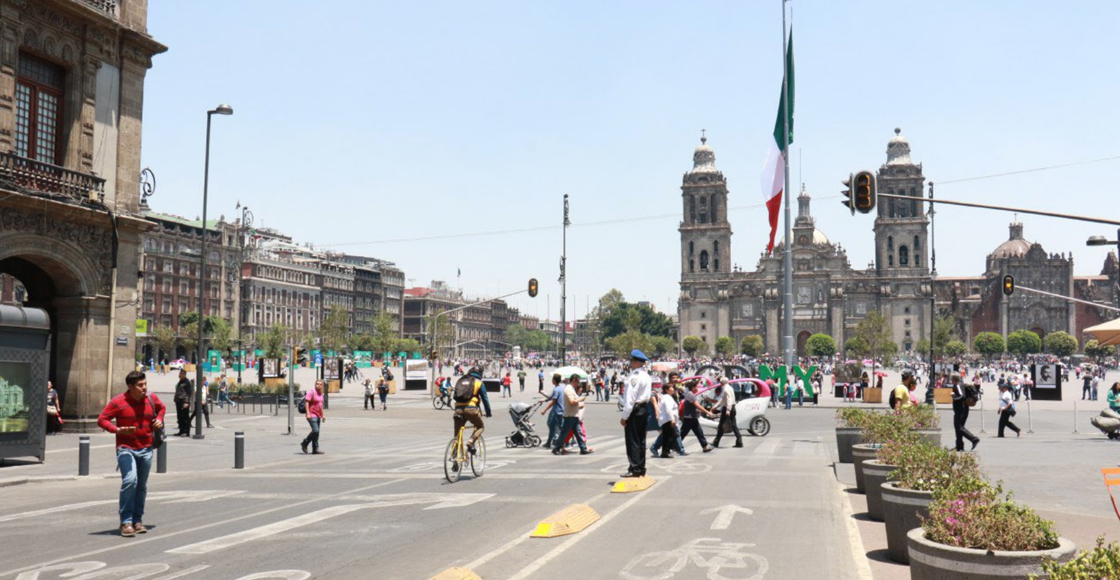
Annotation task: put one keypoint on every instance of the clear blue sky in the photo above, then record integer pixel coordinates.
(370, 121)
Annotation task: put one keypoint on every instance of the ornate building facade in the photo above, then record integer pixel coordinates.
(832, 297)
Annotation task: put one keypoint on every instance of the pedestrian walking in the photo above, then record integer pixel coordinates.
(540, 381)
(726, 408)
(506, 383)
(1113, 397)
(223, 393)
(204, 405)
(1096, 385)
(133, 416)
(690, 416)
(521, 380)
(964, 397)
(54, 410)
(556, 417)
(1006, 411)
(667, 419)
(315, 418)
(368, 394)
(1086, 387)
(572, 403)
(383, 393)
(635, 408)
(184, 390)
(903, 395)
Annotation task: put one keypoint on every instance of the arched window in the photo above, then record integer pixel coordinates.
(715, 248)
(691, 265)
(703, 210)
(890, 260)
(890, 243)
(715, 214)
(691, 248)
(704, 261)
(692, 209)
(890, 207)
(716, 263)
(903, 256)
(917, 252)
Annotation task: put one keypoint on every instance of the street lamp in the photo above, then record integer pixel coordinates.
(200, 396)
(242, 314)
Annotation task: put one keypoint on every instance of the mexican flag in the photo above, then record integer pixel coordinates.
(774, 173)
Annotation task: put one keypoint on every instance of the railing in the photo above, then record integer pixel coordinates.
(107, 6)
(51, 180)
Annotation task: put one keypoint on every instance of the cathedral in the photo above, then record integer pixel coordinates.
(831, 297)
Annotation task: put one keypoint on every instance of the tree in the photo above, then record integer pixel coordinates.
(615, 321)
(876, 334)
(220, 333)
(440, 333)
(274, 340)
(609, 302)
(384, 333)
(856, 346)
(628, 341)
(944, 331)
(361, 342)
(955, 348)
(662, 345)
(406, 345)
(693, 345)
(334, 330)
(164, 337)
(1023, 342)
(1060, 343)
(820, 345)
(725, 345)
(188, 338)
(752, 345)
(922, 347)
(989, 344)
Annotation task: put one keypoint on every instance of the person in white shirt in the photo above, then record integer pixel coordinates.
(726, 408)
(667, 418)
(573, 402)
(1006, 411)
(635, 413)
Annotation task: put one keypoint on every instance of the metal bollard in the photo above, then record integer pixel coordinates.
(83, 455)
(161, 458)
(239, 450)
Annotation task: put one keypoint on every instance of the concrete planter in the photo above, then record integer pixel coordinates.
(901, 511)
(860, 453)
(931, 435)
(845, 438)
(875, 474)
(933, 561)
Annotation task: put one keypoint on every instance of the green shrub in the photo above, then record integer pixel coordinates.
(923, 466)
(1097, 564)
(985, 519)
(852, 417)
(920, 416)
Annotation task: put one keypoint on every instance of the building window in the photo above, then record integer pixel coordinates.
(917, 252)
(903, 256)
(906, 310)
(703, 210)
(890, 261)
(715, 214)
(691, 248)
(703, 315)
(692, 209)
(691, 265)
(39, 89)
(704, 261)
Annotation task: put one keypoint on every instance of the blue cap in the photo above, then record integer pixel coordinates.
(638, 355)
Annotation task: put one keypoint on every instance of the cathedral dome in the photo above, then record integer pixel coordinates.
(703, 158)
(898, 150)
(1016, 245)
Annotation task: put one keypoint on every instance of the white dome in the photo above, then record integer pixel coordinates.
(703, 158)
(898, 150)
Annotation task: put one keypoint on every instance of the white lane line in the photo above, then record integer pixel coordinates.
(769, 447)
(161, 535)
(855, 540)
(529, 570)
(75, 449)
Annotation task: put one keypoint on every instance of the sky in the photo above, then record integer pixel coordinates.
(358, 125)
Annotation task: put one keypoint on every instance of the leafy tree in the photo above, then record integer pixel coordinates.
(1023, 342)
(273, 341)
(334, 330)
(628, 341)
(662, 345)
(1060, 343)
(164, 337)
(944, 331)
(614, 321)
(856, 346)
(989, 344)
(752, 345)
(922, 347)
(725, 345)
(361, 342)
(220, 333)
(409, 345)
(441, 335)
(876, 334)
(383, 333)
(694, 344)
(820, 345)
(188, 338)
(609, 301)
(955, 348)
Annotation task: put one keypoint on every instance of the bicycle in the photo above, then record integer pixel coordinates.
(456, 457)
(441, 401)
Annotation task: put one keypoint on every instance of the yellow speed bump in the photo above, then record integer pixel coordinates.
(572, 519)
(632, 484)
(456, 574)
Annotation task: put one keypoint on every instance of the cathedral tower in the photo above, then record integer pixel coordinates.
(705, 231)
(901, 226)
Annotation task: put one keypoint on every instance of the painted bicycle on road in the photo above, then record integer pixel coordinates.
(722, 560)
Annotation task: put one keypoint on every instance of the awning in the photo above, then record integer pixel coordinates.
(1107, 334)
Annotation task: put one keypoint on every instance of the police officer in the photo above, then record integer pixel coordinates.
(635, 413)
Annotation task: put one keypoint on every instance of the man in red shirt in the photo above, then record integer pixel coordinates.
(136, 413)
(315, 418)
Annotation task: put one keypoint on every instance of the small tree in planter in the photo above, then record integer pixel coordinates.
(1096, 564)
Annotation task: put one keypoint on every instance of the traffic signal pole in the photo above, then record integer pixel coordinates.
(1066, 216)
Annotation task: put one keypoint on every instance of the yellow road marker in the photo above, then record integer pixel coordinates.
(456, 574)
(572, 519)
(632, 484)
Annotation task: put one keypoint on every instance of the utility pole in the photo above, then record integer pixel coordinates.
(932, 295)
(564, 289)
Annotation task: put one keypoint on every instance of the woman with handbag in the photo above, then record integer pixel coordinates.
(1006, 410)
(54, 410)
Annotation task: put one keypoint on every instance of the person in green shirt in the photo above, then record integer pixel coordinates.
(1114, 397)
(521, 379)
(900, 397)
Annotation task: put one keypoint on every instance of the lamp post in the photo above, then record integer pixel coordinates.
(200, 396)
(245, 223)
(1103, 241)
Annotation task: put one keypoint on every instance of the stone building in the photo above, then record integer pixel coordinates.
(477, 331)
(831, 297)
(71, 110)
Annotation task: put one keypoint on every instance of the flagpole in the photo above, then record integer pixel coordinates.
(787, 253)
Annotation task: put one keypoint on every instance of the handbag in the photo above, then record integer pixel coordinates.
(158, 435)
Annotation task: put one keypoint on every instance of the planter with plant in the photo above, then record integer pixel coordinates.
(923, 420)
(983, 534)
(849, 431)
(877, 471)
(922, 469)
(1096, 564)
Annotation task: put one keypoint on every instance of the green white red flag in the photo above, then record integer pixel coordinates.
(774, 172)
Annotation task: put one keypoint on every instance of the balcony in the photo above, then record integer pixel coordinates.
(108, 7)
(47, 180)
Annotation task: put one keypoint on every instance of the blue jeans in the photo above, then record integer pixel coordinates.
(554, 421)
(570, 424)
(135, 467)
(312, 437)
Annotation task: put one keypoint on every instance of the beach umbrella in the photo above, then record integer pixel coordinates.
(1107, 334)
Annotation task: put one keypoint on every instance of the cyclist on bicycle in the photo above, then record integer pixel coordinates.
(467, 411)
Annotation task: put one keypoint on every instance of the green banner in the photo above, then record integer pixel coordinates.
(363, 359)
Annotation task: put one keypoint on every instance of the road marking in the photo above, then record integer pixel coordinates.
(176, 496)
(139, 542)
(768, 447)
(441, 500)
(531, 569)
(726, 513)
(570, 520)
(855, 540)
(75, 449)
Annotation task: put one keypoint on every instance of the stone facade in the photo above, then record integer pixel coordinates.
(69, 201)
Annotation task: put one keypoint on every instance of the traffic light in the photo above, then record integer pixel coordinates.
(1008, 285)
(532, 287)
(864, 194)
(849, 201)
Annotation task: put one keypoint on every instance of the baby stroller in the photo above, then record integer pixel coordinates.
(520, 413)
(1108, 422)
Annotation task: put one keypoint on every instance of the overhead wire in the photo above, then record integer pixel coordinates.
(1032, 170)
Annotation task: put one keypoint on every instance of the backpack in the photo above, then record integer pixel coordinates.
(302, 405)
(971, 395)
(464, 389)
(893, 399)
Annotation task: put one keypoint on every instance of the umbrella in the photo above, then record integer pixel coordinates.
(665, 366)
(868, 362)
(567, 372)
(1108, 334)
(880, 374)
